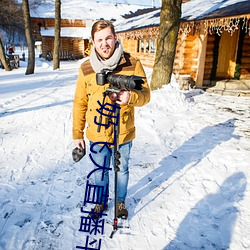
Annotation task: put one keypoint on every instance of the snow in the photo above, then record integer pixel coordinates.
(189, 168)
(155, 3)
(81, 32)
(192, 10)
(197, 9)
(145, 20)
(86, 10)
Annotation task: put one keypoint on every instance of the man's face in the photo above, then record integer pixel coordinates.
(104, 42)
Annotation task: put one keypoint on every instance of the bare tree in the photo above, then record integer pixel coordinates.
(28, 33)
(11, 24)
(168, 34)
(56, 59)
(11, 16)
(3, 57)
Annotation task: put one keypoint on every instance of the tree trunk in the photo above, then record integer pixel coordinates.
(28, 33)
(168, 34)
(3, 57)
(56, 59)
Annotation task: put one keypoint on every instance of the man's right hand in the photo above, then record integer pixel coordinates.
(79, 143)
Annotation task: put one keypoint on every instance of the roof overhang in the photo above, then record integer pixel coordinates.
(73, 32)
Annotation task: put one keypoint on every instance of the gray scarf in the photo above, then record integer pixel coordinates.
(110, 64)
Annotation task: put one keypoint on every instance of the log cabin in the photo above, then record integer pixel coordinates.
(213, 41)
(74, 37)
(77, 17)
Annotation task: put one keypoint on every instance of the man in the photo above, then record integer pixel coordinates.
(108, 54)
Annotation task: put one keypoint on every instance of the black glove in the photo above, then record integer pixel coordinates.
(78, 153)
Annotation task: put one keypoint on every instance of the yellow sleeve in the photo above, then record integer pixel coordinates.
(80, 105)
(139, 98)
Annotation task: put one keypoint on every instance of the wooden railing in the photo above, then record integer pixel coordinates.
(64, 55)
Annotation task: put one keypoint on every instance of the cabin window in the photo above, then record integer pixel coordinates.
(152, 45)
(140, 45)
(146, 45)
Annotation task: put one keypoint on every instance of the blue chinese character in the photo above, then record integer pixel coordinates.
(100, 111)
(90, 243)
(99, 167)
(105, 144)
(85, 227)
(92, 193)
(92, 224)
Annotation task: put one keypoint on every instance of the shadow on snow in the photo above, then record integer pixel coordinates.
(190, 153)
(210, 223)
(23, 110)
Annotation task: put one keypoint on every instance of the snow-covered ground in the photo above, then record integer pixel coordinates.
(189, 168)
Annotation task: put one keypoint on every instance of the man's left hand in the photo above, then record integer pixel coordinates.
(123, 97)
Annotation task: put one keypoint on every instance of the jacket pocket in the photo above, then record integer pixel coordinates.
(127, 120)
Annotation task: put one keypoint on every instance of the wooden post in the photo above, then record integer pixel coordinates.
(201, 60)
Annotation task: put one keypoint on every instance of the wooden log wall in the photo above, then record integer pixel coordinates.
(209, 58)
(131, 46)
(186, 55)
(50, 22)
(66, 44)
(79, 46)
(178, 61)
(185, 59)
(73, 45)
(146, 59)
(190, 56)
(47, 45)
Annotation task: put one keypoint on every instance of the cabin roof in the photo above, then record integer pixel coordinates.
(140, 21)
(193, 10)
(77, 32)
(208, 9)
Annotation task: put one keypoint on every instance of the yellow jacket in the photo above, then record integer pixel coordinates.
(88, 93)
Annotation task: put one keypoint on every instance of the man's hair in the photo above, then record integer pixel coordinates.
(101, 24)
